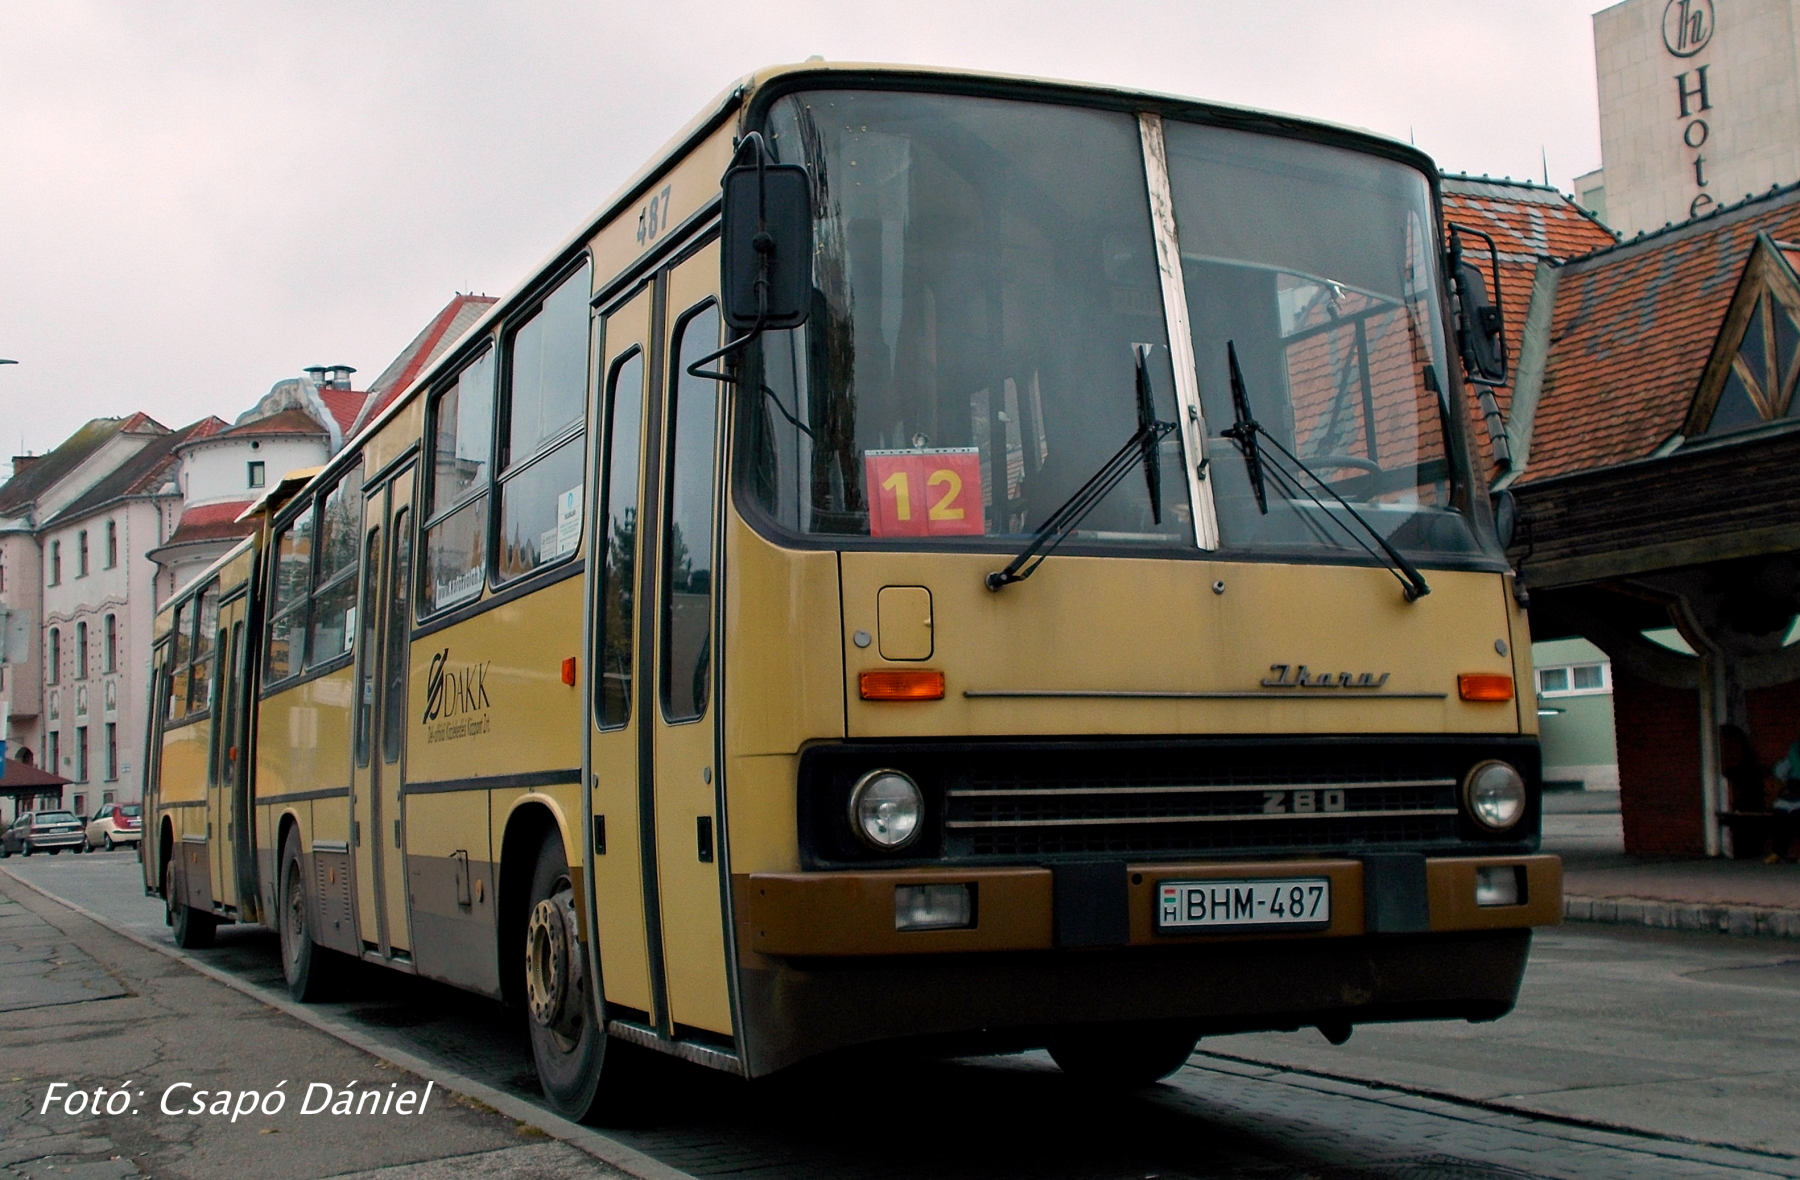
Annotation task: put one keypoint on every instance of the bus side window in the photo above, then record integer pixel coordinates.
(287, 607)
(688, 542)
(160, 664)
(177, 658)
(617, 540)
(399, 631)
(542, 483)
(334, 601)
(215, 755)
(366, 654)
(200, 670)
(462, 433)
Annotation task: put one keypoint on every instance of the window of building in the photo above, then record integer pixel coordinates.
(81, 651)
(2, 576)
(112, 751)
(1567, 680)
(110, 653)
(334, 600)
(55, 750)
(81, 554)
(53, 657)
(112, 543)
(462, 416)
(256, 473)
(80, 804)
(287, 608)
(56, 563)
(81, 753)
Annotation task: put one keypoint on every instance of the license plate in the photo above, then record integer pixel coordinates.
(1266, 901)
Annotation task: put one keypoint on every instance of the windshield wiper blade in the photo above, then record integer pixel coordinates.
(1139, 448)
(1244, 432)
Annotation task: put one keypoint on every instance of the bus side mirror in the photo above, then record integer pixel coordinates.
(766, 245)
(1506, 518)
(1480, 327)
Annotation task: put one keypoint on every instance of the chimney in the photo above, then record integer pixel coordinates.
(330, 376)
(21, 462)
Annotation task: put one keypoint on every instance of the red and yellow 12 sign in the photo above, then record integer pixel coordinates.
(924, 493)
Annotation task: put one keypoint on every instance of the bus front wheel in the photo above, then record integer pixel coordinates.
(579, 1066)
(1125, 1059)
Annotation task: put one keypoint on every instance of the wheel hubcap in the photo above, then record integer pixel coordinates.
(294, 929)
(553, 968)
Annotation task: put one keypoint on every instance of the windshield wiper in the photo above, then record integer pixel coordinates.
(1139, 448)
(1244, 433)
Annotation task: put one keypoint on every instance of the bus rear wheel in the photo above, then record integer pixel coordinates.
(1123, 1059)
(311, 970)
(579, 1066)
(192, 928)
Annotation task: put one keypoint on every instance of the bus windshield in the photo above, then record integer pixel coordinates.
(985, 279)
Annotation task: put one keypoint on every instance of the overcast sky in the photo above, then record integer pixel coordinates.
(200, 199)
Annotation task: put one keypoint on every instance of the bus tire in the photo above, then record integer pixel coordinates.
(193, 929)
(1125, 1059)
(578, 1064)
(312, 971)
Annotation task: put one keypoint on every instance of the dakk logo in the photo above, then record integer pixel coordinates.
(452, 692)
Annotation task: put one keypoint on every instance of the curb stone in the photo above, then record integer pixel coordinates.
(1744, 920)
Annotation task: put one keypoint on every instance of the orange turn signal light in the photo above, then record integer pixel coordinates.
(901, 686)
(1485, 686)
(568, 671)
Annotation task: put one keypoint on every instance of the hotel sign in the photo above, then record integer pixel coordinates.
(1687, 28)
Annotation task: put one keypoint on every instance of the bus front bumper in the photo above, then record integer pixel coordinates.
(823, 967)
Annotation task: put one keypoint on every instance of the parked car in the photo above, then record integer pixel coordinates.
(43, 831)
(115, 824)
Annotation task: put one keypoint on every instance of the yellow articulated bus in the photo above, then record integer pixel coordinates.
(940, 558)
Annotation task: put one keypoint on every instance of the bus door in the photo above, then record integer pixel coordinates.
(227, 820)
(658, 864)
(687, 820)
(615, 743)
(383, 622)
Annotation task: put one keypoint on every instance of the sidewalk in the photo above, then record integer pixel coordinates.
(1603, 884)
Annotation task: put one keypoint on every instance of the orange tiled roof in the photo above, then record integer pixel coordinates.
(345, 405)
(212, 522)
(1527, 222)
(1633, 328)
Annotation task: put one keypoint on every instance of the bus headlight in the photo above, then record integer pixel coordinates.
(885, 809)
(1494, 794)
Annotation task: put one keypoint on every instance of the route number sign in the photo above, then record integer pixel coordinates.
(933, 493)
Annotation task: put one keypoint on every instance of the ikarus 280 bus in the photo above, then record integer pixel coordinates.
(969, 560)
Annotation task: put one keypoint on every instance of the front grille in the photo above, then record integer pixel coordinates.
(1170, 798)
(1140, 813)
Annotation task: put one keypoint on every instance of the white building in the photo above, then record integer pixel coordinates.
(73, 528)
(301, 422)
(97, 534)
(1699, 107)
